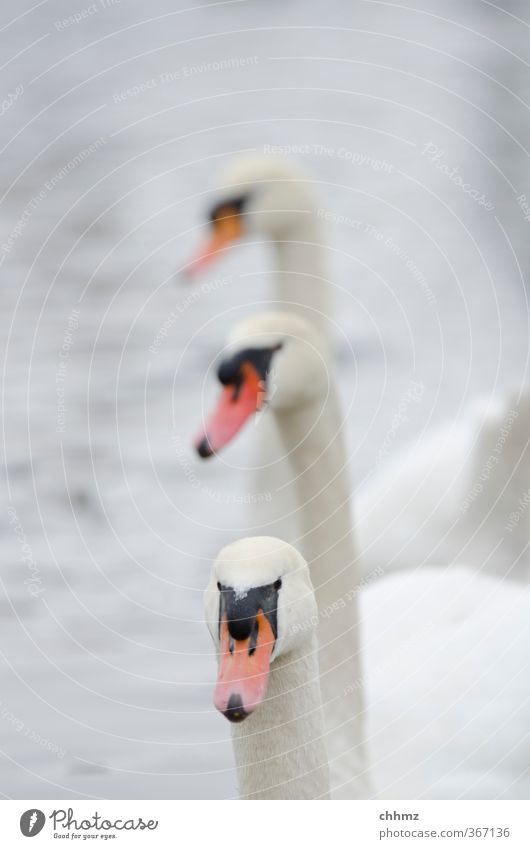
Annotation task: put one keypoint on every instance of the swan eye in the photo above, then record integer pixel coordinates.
(219, 585)
(277, 584)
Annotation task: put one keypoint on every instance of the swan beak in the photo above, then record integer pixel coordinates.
(227, 228)
(235, 405)
(243, 670)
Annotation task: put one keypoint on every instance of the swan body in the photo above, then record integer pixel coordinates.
(461, 494)
(279, 747)
(447, 684)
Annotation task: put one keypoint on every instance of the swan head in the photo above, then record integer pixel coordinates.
(259, 606)
(257, 196)
(275, 359)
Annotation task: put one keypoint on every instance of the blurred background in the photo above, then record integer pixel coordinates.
(116, 118)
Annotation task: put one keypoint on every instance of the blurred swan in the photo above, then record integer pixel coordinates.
(262, 614)
(271, 199)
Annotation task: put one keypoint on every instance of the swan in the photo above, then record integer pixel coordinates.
(444, 649)
(271, 199)
(261, 612)
(280, 360)
(447, 692)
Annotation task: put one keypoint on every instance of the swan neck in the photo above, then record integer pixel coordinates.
(301, 283)
(314, 444)
(279, 749)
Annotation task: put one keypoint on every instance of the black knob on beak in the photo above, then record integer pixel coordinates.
(204, 449)
(235, 711)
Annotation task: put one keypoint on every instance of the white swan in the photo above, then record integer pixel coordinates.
(261, 612)
(445, 662)
(302, 398)
(270, 199)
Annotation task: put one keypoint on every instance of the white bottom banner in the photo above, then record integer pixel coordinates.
(225, 825)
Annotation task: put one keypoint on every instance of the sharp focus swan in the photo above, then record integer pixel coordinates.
(261, 612)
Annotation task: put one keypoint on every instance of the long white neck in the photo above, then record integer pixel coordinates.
(318, 460)
(279, 749)
(301, 283)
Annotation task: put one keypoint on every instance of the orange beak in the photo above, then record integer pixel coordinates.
(243, 673)
(235, 406)
(227, 228)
